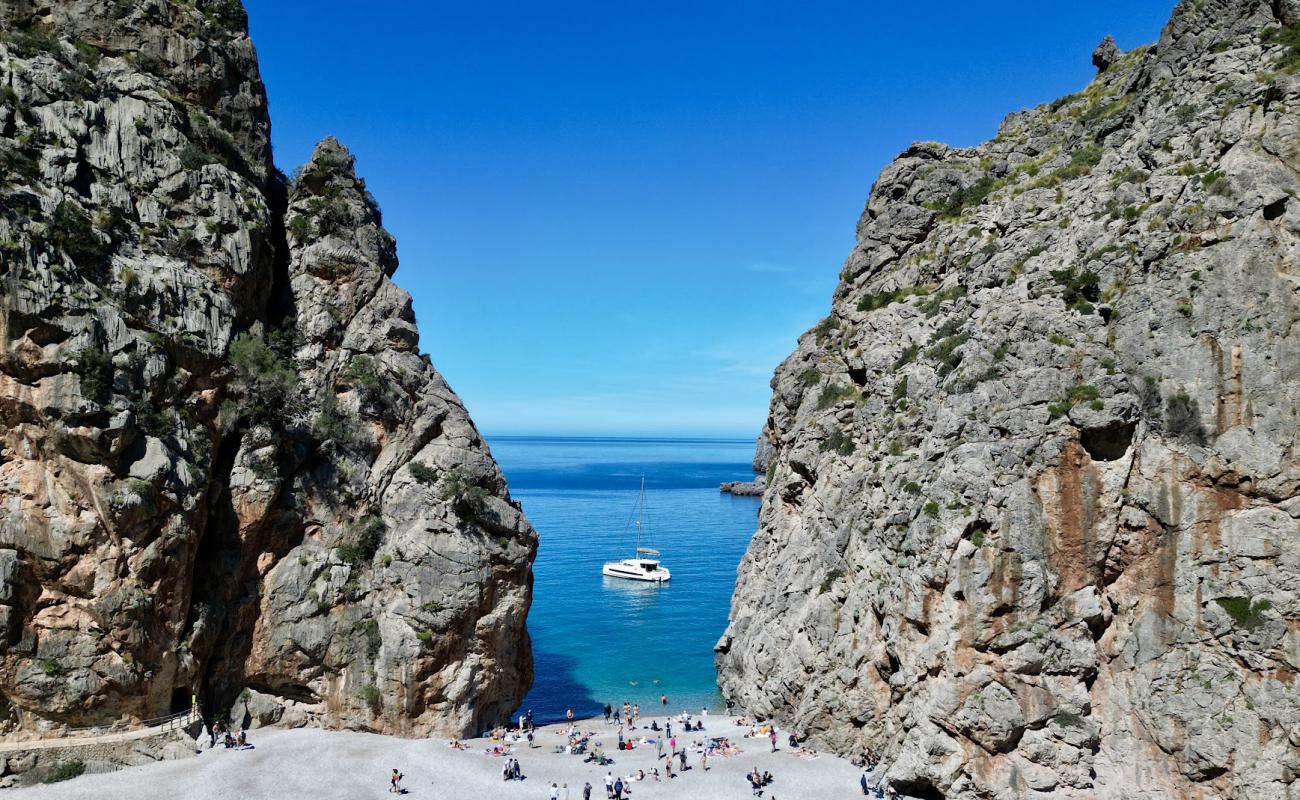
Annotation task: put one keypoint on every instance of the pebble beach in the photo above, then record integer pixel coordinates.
(308, 763)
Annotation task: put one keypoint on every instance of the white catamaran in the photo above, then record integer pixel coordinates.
(638, 568)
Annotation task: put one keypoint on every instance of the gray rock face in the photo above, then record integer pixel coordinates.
(1106, 54)
(224, 463)
(1032, 529)
(754, 488)
(764, 451)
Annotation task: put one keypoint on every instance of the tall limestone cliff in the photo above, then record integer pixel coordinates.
(1032, 528)
(225, 468)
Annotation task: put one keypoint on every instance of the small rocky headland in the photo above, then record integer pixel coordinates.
(1030, 521)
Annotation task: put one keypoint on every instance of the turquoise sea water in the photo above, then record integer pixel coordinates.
(600, 640)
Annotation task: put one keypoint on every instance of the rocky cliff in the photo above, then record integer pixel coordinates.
(226, 470)
(1032, 524)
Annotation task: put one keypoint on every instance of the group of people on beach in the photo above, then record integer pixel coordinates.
(217, 730)
(511, 771)
(673, 753)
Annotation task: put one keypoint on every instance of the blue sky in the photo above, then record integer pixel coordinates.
(617, 217)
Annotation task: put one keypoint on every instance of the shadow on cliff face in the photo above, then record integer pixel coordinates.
(227, 587)
(556, 689)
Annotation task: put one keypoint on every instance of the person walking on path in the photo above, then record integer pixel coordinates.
(772, 738)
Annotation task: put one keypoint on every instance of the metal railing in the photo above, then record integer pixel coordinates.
(171, 722)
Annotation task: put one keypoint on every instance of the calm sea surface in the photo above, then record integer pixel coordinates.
(598, 639)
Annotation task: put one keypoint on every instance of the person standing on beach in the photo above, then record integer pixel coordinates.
(609, 784)
(672, 744)
(395, 782)
(704, 761)
(586, 790)
(569, 715)
(683, 757)
(636, 713)
(608, 711)
(772, 738)
(530, 739)
(555, 792)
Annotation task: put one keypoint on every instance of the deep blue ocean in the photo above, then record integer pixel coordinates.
(600, 640)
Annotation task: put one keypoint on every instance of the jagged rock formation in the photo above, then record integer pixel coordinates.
(754, 488)
(225, 468)
(763, 453)
(1032, 528)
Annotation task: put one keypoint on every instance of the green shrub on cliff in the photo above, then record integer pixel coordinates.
(833, 394)
(839, 442)
(264, 384)
(1079, 290)
(423, 472)
(967, 197)
(362, 541)
(1290, 37)
(66, 770)
(71, 231)
(373, 697)
(1243, 611)
(95, 373)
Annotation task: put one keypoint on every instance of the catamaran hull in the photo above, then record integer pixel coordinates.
(629, 574)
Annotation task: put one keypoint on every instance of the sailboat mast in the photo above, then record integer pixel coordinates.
(640, 517)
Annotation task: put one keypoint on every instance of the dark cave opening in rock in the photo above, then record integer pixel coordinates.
(919, 788)
(1108, 443)
(181, 700)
